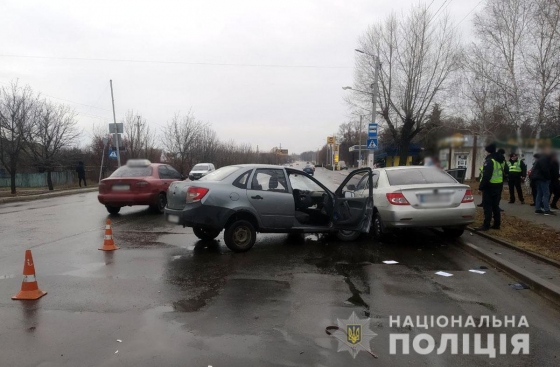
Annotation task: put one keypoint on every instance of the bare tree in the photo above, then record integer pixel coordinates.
(542, 58)
(18, 108)
(54, 130)
(139, 140)
(418, 53)
(501, 29)
(178, 140)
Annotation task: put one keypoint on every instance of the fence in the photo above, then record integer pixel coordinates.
(39, 179)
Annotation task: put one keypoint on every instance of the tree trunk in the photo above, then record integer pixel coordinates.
(49, 181)
(13, 181)
(403, 153)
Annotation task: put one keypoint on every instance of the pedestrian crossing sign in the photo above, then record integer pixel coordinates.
(372, 144)
(112, 154)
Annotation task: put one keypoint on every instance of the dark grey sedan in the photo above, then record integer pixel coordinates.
(246, 199)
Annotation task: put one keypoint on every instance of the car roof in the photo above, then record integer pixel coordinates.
(404, 167)
(257, 166)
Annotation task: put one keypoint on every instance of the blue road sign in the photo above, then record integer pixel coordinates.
(372, 144)
(372, 130)
(112, 154)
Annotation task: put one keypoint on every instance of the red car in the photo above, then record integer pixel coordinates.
(139, 182)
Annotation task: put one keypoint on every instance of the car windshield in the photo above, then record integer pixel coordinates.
(201, 167)
(126, 171)
(418, 176)
(220, 174)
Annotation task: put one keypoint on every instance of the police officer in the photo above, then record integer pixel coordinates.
(491, 186)
(517, 171)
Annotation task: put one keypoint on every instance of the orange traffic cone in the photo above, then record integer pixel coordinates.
(108, 243)
(29, 287)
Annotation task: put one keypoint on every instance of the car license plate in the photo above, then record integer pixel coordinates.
(434, 199)
(121, 187)
(173, 218)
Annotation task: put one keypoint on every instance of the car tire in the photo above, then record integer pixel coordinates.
(453, 232)
(348, 236)
(113, 209)
(240, 236)
(377, 228)
(160, 204)
(206, 234)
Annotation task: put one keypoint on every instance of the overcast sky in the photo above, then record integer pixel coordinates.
(245, 100)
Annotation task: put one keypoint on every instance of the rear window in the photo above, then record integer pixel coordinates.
(200, 167)
(126, 171)
(220, 174)
(418, 176)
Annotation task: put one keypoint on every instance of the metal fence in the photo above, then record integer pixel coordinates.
(39, 179)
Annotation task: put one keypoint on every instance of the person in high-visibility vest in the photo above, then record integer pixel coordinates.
(517, 171)
(491, 186)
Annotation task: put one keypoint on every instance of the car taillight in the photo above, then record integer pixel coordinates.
(196, 193)
(468, 198)
(397, 198)
(142, 184)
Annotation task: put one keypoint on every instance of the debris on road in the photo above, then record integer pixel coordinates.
(390, 262)
(444, 274)
(519, 286)
(477, 271)
(120, 341)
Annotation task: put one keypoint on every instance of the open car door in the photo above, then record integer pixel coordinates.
(352, 211)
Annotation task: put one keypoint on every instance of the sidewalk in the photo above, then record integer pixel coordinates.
(526, 212)
(45, 194)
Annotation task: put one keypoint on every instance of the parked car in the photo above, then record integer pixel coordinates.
(246, 199)
(417, 196)
(200, 170)
(309, 169)
(139, 182)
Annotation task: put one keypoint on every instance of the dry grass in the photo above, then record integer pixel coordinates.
(528, 235)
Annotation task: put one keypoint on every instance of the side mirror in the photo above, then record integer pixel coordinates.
(351, 187)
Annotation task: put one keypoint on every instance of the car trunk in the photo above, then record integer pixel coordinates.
(430, 196)
(124, 185)
(177, 194)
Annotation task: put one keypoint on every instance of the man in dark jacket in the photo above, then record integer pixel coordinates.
(517, 171)
(533, 184)
(491, 186)
(541, 175)
(81, 173)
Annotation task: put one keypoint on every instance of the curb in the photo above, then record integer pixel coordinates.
(45, 196)
(517, 248)
(541, 286)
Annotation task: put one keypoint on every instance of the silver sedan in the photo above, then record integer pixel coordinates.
(414, 197)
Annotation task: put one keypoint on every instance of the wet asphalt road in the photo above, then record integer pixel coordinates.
(174, 300)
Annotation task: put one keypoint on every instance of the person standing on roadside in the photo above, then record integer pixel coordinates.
(541, 174)
(517, 171)
(502, 161)
(555, 181)
(81, 173)
(491, 186)
(532, 183)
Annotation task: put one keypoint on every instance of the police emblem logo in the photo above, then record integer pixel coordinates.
(354, 334)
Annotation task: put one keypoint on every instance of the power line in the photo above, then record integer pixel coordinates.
(176, 62)
(441, 6)
(469, 13)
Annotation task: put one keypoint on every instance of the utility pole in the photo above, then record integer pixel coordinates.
(360, 143)
(375, 93)
(115, 123)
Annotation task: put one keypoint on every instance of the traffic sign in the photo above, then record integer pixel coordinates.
(372, 144)
(330, 139)
(119, 128)
(372, 130)
(112, 154)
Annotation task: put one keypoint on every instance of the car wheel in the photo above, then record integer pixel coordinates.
(113, 209)
(347, 236)
(205, 234)
(160, 203)
(240, 236)
(377, 227)
(453, 232)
